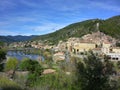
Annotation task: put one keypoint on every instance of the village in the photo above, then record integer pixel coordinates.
(60, 45)
(98, 42)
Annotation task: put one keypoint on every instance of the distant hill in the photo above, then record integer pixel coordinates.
(109, 26)
(15, 38)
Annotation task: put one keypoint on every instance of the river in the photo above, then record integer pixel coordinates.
(20, 55)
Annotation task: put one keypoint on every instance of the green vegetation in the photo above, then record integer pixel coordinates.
(57, 81)
(118, 44)
(47, 55)
(11, 64)
(35, 71)
(6, 84)
(94, 74)
(110, 27)
(118, 64)
(2, 55)
(1, 43)
(89, 73)
(74, 30)
(25, 64)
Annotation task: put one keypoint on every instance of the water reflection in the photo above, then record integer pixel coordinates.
(21, 55)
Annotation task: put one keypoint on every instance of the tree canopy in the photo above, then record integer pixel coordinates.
(2, 55)
(93, 73)
(11, 64)
(34, 68)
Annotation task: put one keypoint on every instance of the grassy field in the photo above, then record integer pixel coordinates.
(6, 84)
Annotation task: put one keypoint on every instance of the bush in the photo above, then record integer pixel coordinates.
(25, 64)
(94, 74)
(35, 71)
(2, 55)
(58, 81)
(11, 64)
(6, 84)
(1, 67)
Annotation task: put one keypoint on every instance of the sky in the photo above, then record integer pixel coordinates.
(38, 17)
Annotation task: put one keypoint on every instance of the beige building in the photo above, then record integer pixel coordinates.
(106, 44)
(81, 47)
(115, 50)
(61, 46)
(106, 47)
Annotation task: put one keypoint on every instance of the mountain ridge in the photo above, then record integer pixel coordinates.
(110, 26)
(16, 38)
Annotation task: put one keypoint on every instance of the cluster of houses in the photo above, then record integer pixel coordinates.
(97, 42)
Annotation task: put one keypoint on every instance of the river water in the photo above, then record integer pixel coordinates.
(20, 55)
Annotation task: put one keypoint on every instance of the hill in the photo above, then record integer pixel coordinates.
(15, 38)
(74, 30)
(109, 26)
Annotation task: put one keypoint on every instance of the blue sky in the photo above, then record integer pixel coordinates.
(37, 17)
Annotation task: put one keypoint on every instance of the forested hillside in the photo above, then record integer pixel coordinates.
(109, 26)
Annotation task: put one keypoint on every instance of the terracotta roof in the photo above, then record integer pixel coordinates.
(59, 53)
(97, 49)
(106, 42)
(49, 71)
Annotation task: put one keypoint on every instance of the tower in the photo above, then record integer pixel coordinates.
(97, 26)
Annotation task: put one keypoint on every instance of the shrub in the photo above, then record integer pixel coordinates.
(6, 84)
(11, 64)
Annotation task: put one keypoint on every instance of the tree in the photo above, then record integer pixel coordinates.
(118, 44)
(93, 74)
(35, 71)
(34, 75)
(2, 55)
(118, 64)
(11, 64)
(25, 64)
(1, 44)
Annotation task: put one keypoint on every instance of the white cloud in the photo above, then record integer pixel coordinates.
(24, 34)
(48, 27)
(6, 32)
(17, 20)
(13, 33)
(24, 19)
